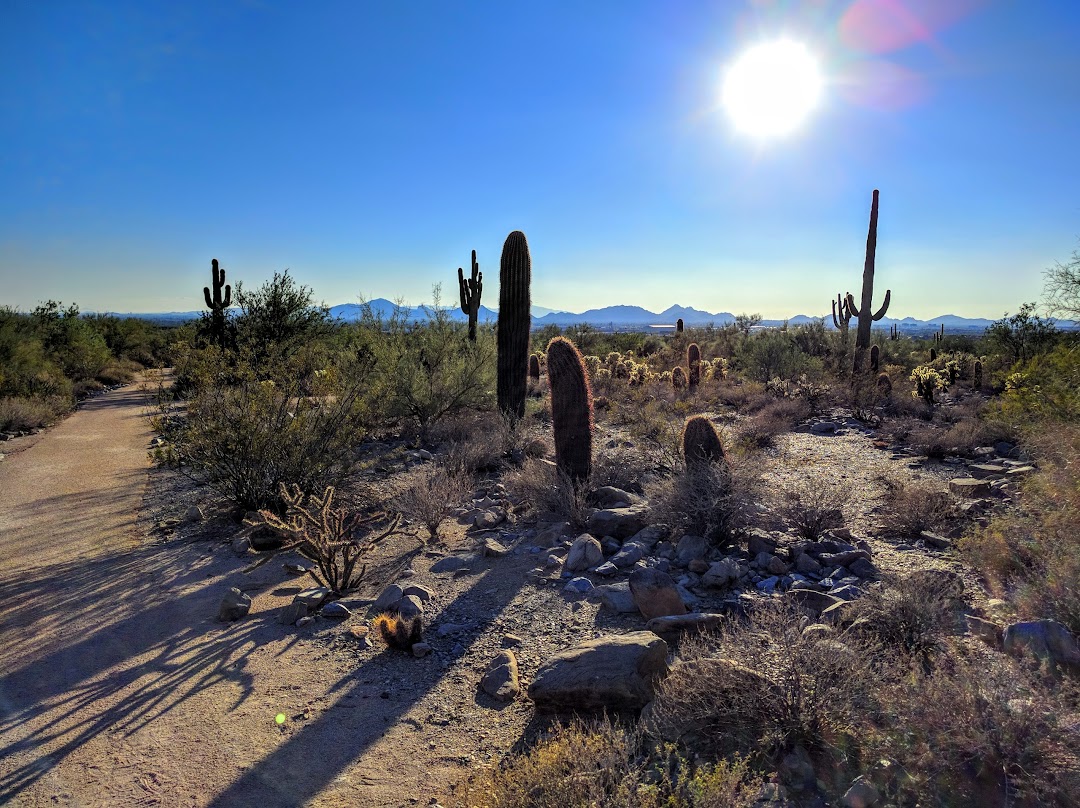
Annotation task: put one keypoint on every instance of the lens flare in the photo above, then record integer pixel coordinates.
(772, 88)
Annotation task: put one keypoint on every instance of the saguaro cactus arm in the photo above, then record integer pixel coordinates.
(840, 306)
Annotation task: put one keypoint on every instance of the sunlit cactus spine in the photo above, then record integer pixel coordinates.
(679, 326)
(571, 410)
(217, 303)
(864, 312)
(700, 442)
(515, 275)
(397, 632)
(534, 367)
(678, 378)
(693, 365)
(471, 289)
(875, 358)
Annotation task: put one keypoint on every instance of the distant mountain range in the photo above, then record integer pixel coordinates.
(623, 318)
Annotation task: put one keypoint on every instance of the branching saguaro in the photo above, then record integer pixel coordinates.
(841, 314)
(864, 311)
(470, 290)
(515, 275)
(218, 304)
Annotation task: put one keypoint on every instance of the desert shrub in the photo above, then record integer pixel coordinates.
(909, 613)
(430, 494)
(656, 429)
(1023, 335)
(975, 731)
(118, 371)
(814, 506)
(775, 353)
(278, 318)
(544, 488)
(21, 413)
(761, 687)
(713, 500)
(774, 419)
(603, 764)
(1045, 387)
(247, 437)
(910, 507)
(336, 539)
(622, 467)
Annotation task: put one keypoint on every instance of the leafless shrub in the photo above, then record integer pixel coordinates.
(774, 419)
(335, 539)
(915, 506)
(761, 687)
(713, 501)
(909, 613)
(814, 506)
(431, 493)
(541, 486)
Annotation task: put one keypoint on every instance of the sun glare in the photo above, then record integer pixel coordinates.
(771, 88)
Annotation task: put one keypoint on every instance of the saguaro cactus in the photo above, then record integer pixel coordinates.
(470, 294)
(894, 332)
(678, 326)
(875, 358)
(701, 444)
(218, 304)
(571, 409)
(515, 275)
(693, 365)
(863, 311)
(841, 314)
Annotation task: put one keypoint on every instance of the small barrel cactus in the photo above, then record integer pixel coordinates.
(571, 410)
(693, 364)
(884, 384)
(701, 444)
(977, 375)
(875, 358)
(678, 378)
(534, 367)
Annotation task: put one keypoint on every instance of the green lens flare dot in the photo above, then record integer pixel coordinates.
(280, 718)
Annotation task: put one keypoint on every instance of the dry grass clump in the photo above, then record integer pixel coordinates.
(912, 507)
(543, 488)
(812, 506)
(772, 420)
(909, 614)
(118, 371)
(761, 687)
(714, 500)
(1032, 554)
(19, 413)
(431, 493)
(605, 765)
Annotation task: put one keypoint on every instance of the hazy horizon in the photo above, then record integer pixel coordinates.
(369, 149)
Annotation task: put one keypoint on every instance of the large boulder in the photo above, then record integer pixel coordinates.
(585, 552)
(615, 672)
(655, 593)
(622, 523)
(1045, 639)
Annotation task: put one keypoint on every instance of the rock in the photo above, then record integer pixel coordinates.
(494, 549)
(551, 536)
(486, 520)
(628, 556)
(691, 548)
(291, 613)
(312, 598)
(838, 614)
(846, 592)
(617, 598)
(987, 631)
(698, 566)
(501, 680)
(233, 606)
(1004, 448)
(774, 566)
(423, 592)
(722, 573)
(806, 565)
(387, 598)
(797, 769)
(511, 640)
(983, 471)
(768, 585)
(451, 563)
(772, 795)
(672, 626)
(817, 631)
(608, 496)
(421, 649)
(969, 487)
(585, 552)
(622, 523)
(863, 568)
(862, 794)
(241, 545)
(760, 542)
(305, 621)
(655, 593)
(193, 514)
(812, 600)
(824, 427)
(295, 569)
(607, 568)
(934, 540)
(648, 537)
(1046, 639)
(578, 585)
(1020, 471)
(842, 559)
(607, 673)
(336, 611)
(446, 629)
(409, 606)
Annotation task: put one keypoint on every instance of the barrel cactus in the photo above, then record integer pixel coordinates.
(875, 358)
(678, 378)
(515, 276)
(693, 364)
(571, 410)
(534, 367)
(701, 444)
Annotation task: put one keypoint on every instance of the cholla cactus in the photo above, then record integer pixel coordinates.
(664, 377)
(927, 380)
(714, 369)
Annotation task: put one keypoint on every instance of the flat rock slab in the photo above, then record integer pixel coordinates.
(969, 487)
(616, 672)
(672, 626)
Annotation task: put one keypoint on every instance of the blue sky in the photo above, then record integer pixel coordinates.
(368, 146)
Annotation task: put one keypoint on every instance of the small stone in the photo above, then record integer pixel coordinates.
(495, 549)
(691, 548)
(585, 552)
(305, 621)
(446, 629)
(233, 606)
(241, 545)
(768, 585)
(863, 568)
(451, 563)
(295, 569)
(336, 611)
(607, 568)
(987, 631)
(655, 593)
(291, 613)
(421, 649)
(387, 598)
(628, 556)
(359, 632)
(969, 487)
(512, 640)
(935, 541)
(861, 795)
(698, 566)
(416, 590)
(672, 626)
(616, 598)
(410, 606)
(578, 585)
(824, 427)
(312, 598)
(1045, 639)
(501, 680)
(193, 514)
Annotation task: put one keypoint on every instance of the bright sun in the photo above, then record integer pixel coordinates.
(771, 88)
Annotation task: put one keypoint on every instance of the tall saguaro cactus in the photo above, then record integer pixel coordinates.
(471, 290)
(218, 304)
(863, 311)
(515, 275)
(571, 409)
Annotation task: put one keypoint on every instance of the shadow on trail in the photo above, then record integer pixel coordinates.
(323, 749)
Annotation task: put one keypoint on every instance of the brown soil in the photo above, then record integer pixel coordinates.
(120, 688)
